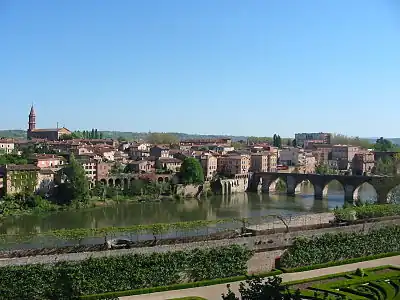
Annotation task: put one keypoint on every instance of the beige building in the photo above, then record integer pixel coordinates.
(167, 163)
(231, 165)
(209, 164)
(7, 146)
(292, 156)
(263, 162)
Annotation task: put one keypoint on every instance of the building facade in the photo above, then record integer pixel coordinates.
(302, 139)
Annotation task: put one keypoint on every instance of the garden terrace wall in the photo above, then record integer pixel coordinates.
(267, 247)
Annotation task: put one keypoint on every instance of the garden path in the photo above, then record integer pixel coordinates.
(214, 292)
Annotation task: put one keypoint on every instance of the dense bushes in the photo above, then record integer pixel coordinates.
(66, 280)
(367, 211)
(340, 246)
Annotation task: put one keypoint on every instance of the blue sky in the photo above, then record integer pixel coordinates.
(212, 66)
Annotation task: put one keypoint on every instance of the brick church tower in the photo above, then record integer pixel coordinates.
(32, 121)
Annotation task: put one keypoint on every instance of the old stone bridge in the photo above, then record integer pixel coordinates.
(382, 184)
(127, 179)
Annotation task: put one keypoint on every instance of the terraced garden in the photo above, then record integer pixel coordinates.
(381, 283)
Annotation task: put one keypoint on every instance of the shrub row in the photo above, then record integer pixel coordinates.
(68, 280)
(337, 263)
(181, 286)
(341, 246)
(367, 212)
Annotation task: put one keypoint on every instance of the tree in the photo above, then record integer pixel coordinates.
(101, 135)
(324, 169)
(294, 143)
(162, 138)
(92, 134)
(384, 145)
(254, 288)
(96, 134)
(289, 142)
(191, 171)
(76, 182)
(274, 140)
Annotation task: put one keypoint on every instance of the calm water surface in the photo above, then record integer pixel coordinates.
(215, 207)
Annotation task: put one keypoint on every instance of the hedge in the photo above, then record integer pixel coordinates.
(181, 286)
(68, 280)
(367, 211)
(337, 263)
(340, 246)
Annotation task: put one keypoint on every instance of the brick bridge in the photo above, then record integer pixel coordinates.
(351, 184)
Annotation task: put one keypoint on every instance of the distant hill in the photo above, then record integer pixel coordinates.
(20, 134)
(16, 134)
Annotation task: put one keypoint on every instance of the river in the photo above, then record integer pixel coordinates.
(241, 205)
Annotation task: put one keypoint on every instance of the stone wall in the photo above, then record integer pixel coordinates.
(192, 190)
(267, 247)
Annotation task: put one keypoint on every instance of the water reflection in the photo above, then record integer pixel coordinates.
(216, 207)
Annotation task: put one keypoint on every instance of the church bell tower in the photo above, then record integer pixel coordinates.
(32, 120)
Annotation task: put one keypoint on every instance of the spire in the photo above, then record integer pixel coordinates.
(32, 112)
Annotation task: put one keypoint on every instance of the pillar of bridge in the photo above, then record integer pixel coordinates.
(254, 182)
(318, 192)
(291, 185)
(349, 193)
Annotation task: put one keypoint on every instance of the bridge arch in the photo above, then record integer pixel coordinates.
(278, 185)
(365, 192)
(307, 186)
(117, 182)
(160, 179)
(126, 182)
(103, 181)
(393, 196)
(335, 185)
(110, 182)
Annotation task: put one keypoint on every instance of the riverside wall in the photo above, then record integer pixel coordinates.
(266, 247)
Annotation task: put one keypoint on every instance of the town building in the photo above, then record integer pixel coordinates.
(263, 162)
(231, 165)
(209, 163)
(158, 152)
(363, 163)
(7, 146)
(168, 163)
(302, 139)
(25, 179)
(342, 156)
(52, 134)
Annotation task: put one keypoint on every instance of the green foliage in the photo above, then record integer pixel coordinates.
(255, 288)
(191, 171)
(360, 272)
(386, 166)
(341, 139)
(338, 263)
(16, 159)
(277, 141)
(384, 145)
(162, 138)
(179, 286)
(67, 280)
(366, 212)
(324, 169)
(76, 186)
(340, 246)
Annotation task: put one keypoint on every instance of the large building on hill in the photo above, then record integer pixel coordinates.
(51, 134)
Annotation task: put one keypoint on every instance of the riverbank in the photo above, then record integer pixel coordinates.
(10, 208)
